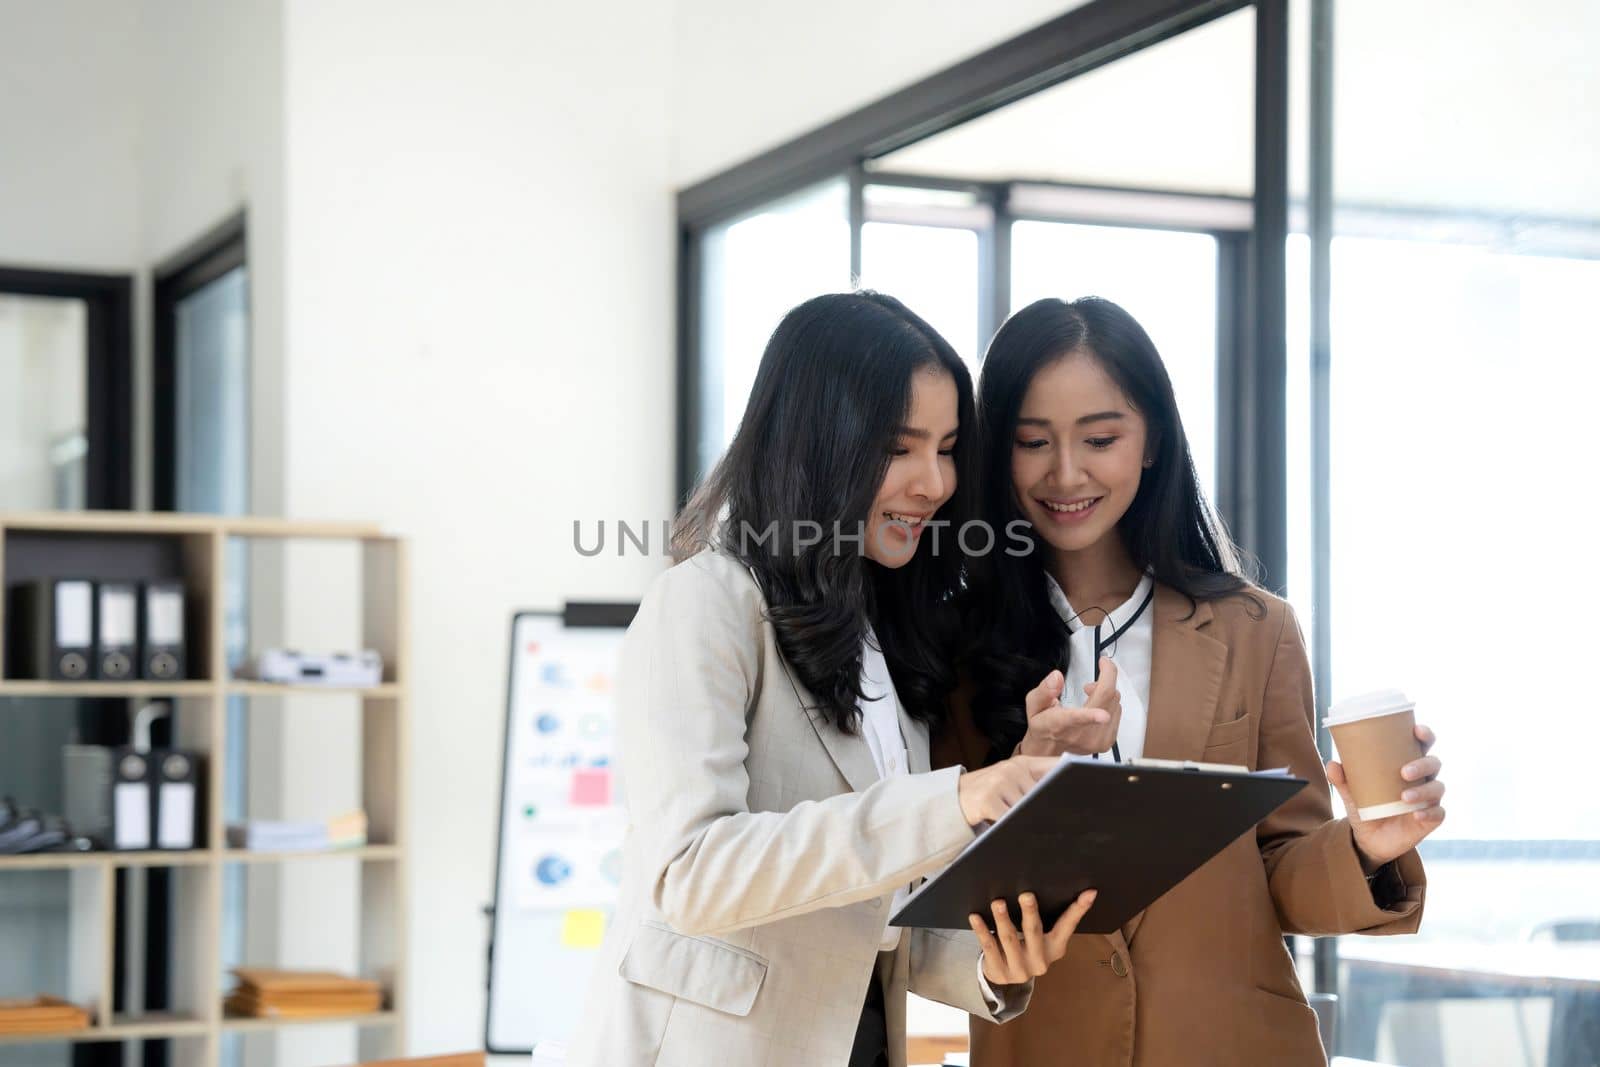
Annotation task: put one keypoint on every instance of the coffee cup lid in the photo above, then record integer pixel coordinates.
(1368, 706)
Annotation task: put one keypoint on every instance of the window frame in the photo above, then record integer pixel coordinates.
(108, 409)
(1251, 470)
(223, 249)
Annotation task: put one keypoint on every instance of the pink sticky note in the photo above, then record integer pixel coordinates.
(591, 788)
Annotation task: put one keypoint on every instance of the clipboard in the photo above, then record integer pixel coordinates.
(1132, 831)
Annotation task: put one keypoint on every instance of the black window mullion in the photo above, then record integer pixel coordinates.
(994, 266)
(210, 258)
(691, 408)
(1325, 954)
(1233, 315)
(857, 214)
(1263, 486)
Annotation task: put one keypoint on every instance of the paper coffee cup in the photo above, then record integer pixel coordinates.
(1376, 737)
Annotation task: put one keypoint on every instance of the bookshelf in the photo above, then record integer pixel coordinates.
(193, 548)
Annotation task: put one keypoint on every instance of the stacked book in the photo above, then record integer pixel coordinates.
(268, 835)
(267, 994)
(40, 1015)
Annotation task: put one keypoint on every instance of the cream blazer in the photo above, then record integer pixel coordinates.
(761, 854)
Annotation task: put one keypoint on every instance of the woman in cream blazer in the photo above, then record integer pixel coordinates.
(775, 700)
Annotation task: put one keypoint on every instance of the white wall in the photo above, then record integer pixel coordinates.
(69, 132)
(479, 338)
(752, 74)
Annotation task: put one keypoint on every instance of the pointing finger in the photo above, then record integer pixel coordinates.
(1045, 694)
(1105, 686)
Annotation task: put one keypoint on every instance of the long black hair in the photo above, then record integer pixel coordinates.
(833, 389)
(1169, 529)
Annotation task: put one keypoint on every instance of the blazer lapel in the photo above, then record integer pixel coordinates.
(849, 753)
(917, 743)
(1186, 668)
(1185, 678)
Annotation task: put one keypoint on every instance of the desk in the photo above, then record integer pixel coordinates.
(1382, 969)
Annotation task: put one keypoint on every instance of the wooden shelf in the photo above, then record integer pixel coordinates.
(23, 687)
(384, 691)
(113, 522)
(64, 861)
(197, 550)
(365, 853)
(28, 687)
(123, 1028)
(135, 522)
(246, 1024)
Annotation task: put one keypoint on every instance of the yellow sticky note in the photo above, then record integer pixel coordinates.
(583, 929)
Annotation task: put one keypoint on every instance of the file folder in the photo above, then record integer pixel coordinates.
(116, 630)
(54, 629)
(161, 648)
(1131, 831)
(177, 798)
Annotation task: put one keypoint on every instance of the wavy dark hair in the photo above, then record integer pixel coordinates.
(833, 389)
(1169, 530)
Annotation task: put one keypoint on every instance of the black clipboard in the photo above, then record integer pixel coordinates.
(1132, 831)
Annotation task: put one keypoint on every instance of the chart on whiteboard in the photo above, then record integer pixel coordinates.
(561, 828)
(566, 819)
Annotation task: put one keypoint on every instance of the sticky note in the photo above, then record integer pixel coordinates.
(583, 928)
(591, 787)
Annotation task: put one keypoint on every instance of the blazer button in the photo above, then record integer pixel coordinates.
(1119, 966)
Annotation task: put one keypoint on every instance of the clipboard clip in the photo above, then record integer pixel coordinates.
(1190, 765)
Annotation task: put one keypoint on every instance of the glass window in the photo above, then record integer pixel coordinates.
(43, 391)
(1457, 432)
(1175, 115)
(933, 270)
(754, 269)
(1459, 381)
(213, 409)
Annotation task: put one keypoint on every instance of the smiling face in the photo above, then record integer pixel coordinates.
(922, 470)
(1077, 453)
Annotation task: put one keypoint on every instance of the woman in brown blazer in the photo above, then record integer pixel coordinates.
(1133, 596)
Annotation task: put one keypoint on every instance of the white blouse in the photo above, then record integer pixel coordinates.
(1127, 637)
(880, 724)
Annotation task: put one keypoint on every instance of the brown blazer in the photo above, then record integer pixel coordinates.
(1202, 975)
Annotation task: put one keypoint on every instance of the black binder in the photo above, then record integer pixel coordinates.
(116, 624)
(1131, 831)
(53, 632)
(179, 798)
(161, 655)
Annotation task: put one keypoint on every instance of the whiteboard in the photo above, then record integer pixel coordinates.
(557, 865)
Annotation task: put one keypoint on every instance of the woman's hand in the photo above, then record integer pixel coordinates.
(1054, 729)
(1010, 957)
(989, 793)
(1383, 840)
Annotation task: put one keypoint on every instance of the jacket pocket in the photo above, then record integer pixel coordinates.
(701, 970)
(1229, 742)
